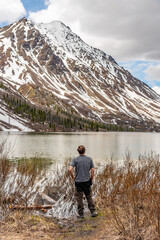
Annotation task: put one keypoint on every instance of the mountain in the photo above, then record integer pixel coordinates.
(51, 67)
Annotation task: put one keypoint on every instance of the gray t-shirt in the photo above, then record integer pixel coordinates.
(82, 165)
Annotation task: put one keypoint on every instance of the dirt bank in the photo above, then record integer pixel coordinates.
(31, 227)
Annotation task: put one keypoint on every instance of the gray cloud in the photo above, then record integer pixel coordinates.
(125, 29)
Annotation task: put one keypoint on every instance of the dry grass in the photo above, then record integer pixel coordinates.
(28, 226)
(18, 180)
(130, 194)
(19, 226)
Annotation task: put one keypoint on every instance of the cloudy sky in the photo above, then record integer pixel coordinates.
(128, 30)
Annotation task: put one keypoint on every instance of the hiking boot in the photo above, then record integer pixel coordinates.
(94, 214)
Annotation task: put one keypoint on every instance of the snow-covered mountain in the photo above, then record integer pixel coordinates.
(49, 64)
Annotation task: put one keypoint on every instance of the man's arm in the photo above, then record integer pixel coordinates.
(71, 172)
(92, 173)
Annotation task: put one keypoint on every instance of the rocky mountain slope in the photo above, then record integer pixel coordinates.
(49, 65)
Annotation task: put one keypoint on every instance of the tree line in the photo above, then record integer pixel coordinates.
(68, 121)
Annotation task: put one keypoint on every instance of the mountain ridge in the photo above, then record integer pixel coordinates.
(46, 63)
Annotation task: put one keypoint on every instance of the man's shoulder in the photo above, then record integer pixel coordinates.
(80, 157)
(75, 158)
(89, 158)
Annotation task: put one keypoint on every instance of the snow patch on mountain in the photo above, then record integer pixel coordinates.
(57, 33)
(12, 122)
(51, 57)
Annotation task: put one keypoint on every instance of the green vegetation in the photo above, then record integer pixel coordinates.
(32, 165)
(2, 86)
(53, 119)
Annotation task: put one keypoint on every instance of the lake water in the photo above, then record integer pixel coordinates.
(100, 146)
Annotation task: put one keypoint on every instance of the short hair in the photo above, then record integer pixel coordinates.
(81, 149)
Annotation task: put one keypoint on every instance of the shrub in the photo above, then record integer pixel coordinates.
(131, 193)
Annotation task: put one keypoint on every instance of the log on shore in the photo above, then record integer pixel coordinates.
(46, 199)
(32, 207)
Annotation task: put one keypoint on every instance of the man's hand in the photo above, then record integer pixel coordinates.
(92, 174)
(71, 172)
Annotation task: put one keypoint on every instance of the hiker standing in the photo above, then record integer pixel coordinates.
(84, 173)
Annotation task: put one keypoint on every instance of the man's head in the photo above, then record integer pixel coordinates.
(81, 149)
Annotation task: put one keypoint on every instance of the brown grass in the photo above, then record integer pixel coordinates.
(28, 226)
(130, 194)
(127, 198)
(17, 180)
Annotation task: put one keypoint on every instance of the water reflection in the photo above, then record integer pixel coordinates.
(100, 146)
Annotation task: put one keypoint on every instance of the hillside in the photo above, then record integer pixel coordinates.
(54, 70)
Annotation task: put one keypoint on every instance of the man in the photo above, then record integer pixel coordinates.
(84, 173)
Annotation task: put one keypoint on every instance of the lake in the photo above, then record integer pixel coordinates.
(59, 146)
(100, 146)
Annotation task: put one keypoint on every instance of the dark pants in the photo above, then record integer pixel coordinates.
(84, 187)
